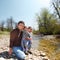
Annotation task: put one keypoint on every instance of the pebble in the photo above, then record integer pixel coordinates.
(36, 55)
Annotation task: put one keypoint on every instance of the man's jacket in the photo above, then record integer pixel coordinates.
(15, 38)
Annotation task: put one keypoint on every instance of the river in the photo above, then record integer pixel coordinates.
(35, 41)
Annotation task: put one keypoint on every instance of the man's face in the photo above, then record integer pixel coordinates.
(30, 30)
(20, 26)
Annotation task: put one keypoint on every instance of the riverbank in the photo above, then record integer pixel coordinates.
(51, 46)
(4, 47)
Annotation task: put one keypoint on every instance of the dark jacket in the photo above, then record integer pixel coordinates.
(15, 38)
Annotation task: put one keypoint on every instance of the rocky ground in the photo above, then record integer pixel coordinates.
(4, 47)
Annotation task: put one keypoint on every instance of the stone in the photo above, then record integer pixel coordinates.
(4, 47)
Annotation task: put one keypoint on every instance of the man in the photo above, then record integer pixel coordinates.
(15, 41)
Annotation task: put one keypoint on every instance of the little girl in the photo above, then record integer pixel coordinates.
(26, 40)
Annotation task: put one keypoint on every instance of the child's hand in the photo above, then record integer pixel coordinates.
(30, 38)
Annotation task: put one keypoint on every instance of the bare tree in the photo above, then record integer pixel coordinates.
(15, 25)
(56, 5)
(2, 25)
(10, 23)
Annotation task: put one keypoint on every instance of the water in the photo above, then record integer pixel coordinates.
(36, 37)
(35, 41)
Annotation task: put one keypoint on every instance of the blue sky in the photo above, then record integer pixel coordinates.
(22, 10)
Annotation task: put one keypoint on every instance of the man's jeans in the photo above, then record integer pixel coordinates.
(19, 53)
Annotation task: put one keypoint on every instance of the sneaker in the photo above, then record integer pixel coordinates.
(30, 52)
(26, 53)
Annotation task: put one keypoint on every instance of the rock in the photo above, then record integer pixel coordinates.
(4, 47)
(2, 58)
(43, 54)
(45, 58)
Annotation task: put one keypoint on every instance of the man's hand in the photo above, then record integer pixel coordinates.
(28, 38)
(10, 51)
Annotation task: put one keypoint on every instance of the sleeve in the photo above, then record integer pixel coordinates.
(31, 35)
(12, 37)
(27, 35)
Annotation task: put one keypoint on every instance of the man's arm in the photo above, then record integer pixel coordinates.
(27, 38)
(11, 42)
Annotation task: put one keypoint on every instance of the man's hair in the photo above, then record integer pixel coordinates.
(29, 27)
(21, 22)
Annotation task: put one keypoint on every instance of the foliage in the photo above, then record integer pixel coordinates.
(35, 32)
(47, 23)
(7, 25)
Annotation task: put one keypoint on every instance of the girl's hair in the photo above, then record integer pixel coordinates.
(29, 27)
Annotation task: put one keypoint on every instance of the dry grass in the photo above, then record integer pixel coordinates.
(51, 48)
(4, 32)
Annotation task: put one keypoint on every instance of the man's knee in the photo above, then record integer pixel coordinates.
(23, 57)
(21, 54)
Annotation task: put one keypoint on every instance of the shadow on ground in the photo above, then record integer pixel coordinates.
(5, 55)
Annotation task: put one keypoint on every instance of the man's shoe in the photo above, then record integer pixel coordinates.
(26, 53)
(30, 52)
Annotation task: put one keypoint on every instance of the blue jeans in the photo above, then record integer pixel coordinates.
(27, 44)
(19, 53)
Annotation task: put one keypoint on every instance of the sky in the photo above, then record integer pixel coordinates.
(22, 10)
